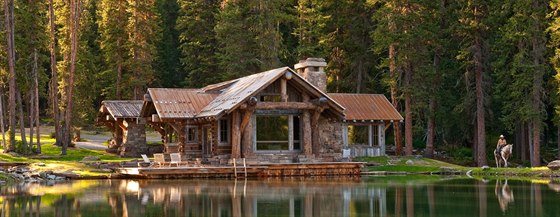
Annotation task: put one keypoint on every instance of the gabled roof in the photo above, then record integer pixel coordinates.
(122, 108)
(239, 90)
(366, 107)
(179, 103)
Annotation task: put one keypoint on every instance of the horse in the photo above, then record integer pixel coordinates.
(504, 194)
(502, 155)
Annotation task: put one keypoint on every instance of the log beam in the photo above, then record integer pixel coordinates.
(307, 142)
(285, 105)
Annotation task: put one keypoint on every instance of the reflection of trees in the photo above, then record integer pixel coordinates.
(504, 194)
(482, 199)
(22, 205)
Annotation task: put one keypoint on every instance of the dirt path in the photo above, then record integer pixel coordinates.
(95, 139)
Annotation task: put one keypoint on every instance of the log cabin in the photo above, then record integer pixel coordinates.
(281, 115)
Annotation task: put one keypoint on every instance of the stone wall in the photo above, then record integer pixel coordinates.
(331, 139)
(134, 138)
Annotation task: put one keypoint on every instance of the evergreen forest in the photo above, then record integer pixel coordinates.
(460, 72)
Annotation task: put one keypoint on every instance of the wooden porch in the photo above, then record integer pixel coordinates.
(240, 171)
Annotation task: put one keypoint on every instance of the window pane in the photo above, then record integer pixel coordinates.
(297, 131)
(191, 134)
(272, 132)
(224, 131)
(358, 135)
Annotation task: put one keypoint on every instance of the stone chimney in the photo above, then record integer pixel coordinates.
(313, 70)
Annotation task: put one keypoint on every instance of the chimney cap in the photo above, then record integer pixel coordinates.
(311, 62)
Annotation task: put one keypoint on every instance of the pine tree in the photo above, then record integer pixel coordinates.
(168, 62)
(311, 30)
(143, 35)
(198, 43)
(248, 36)
(112, 27)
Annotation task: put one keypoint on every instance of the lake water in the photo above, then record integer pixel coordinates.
(290, 197)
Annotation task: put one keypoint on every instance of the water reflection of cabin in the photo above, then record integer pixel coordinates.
(279, 116)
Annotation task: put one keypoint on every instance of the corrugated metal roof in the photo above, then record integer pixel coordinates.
(366, 106)
(123, 108)
(179, 103)
(242, 89)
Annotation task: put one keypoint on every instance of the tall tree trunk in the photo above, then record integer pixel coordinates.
(538, 59)
(74, 28)
(118, 94)
(8, 11)
(479, 83)
(21, 122)
(36, 78)
(432, 106)
(2, 121)
(54, 77)
(360, 77)
(394, 96)
(31, 110)
(408, 110)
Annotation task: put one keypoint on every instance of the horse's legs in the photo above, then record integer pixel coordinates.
(505, 161)
(497, 162)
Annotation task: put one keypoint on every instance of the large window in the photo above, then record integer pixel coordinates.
(278, 133)
(224, 131)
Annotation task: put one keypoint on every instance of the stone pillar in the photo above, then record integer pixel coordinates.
(134, 138)
(313, 70)
(117, 136)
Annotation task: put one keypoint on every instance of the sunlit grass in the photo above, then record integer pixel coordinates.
(51, 159)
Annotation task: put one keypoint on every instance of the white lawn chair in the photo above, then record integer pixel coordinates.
(159, 159)
(146, 161)
(175, 159)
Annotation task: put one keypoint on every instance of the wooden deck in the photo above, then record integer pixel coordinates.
(260, 170)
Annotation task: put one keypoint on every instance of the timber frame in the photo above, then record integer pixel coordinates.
(274, 116)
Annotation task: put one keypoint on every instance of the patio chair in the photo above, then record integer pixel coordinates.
(159, 159)
(175, 159)
(146, 161)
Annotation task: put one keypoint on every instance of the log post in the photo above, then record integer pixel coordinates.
(284, 90)
(235, 135)
(307, 143)
(246, 127)
(179, 128)
(316, 140)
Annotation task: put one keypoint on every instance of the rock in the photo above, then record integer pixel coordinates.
(409, 162)
(41, 164)
(372, 164)
(51, 177)
(554, 165)
(90, 158)
(485, 167)
(418, 157)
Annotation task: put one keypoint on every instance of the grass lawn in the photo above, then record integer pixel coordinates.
(53, 161)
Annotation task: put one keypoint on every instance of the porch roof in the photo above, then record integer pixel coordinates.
(179, 103)
(366, 107)
(122, 108)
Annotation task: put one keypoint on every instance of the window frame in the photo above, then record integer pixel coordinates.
(291, 140)
(195, 134)
(225, 142)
